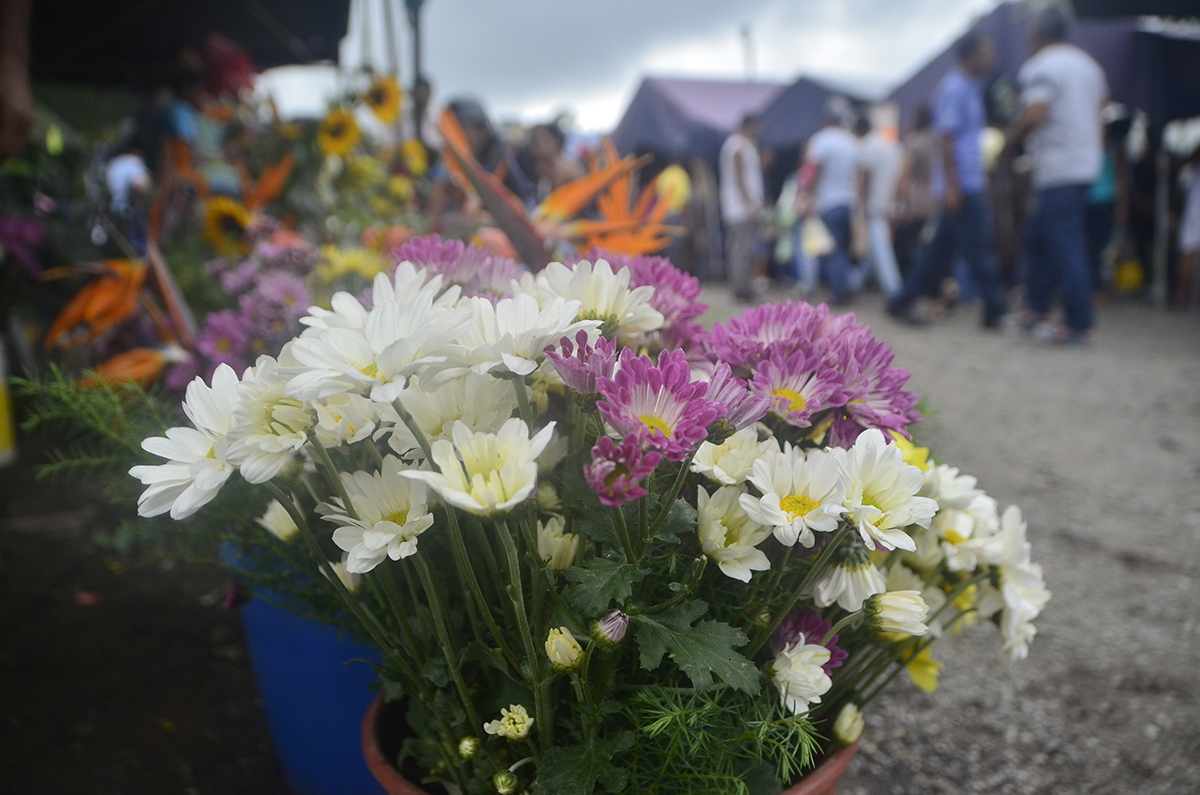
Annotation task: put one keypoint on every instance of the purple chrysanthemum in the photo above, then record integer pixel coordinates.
(581, 364)
(875, 394)
(618, 469)
(223, 340)
(477, 271)
(286, 291)
(660, 400)
(804, 626)
(675, 292)
(798, 385)
(746, 340)
(241, 278)
(297, 257)
(742, 408)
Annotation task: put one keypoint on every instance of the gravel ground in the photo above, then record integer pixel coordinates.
(1100, 446)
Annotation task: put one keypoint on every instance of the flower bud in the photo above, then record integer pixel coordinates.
(563, 650)
(555, 547)
(514, 723)
(610, 630)
(849, 724)
(898, 611)
(468, 747)
(505, 781)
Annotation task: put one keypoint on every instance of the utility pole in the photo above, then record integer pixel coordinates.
(748, 50)
(414, 19)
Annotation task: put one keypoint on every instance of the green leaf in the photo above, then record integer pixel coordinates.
(575, 770)
(600, 582)
(700, 651)
(682, 519)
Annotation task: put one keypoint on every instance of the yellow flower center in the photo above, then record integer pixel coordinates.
(656, 424)
(798, 505)
(224, 344)
(870, 501)
(399, 517)
(212, 453)
(794, 400)
(954, 537)
(370, 371)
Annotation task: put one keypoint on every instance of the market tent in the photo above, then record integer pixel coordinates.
(135, 42)
(795, 113)
(1150, 65)
(680, 118)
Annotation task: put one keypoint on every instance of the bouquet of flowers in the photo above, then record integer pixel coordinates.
(597, 545)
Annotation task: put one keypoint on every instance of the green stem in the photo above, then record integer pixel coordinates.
(517, 595)
(524, 407)
(443, 632)
(826, 554)
(855, 616)
(672, 495)
(689, 586)
(467, 572)
(623, 530)
(417, 433)
(530, 535)
(332, 475)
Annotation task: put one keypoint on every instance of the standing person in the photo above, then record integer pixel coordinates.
(553, 167)
(916, 203)
(963, 224)
(1063, 92)
(741, 185)
(828, 181)
(881, 158)
(1106, 206)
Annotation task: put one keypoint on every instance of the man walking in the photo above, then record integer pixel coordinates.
(741, 204)
(1063, 92)
(881, 158)
(963, 225)
(829, 180)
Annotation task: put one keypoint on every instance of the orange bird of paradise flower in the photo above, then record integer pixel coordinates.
(100, 305)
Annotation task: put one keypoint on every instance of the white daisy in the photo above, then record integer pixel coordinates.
(902, 578)
(732, 461)
(480, 402)
(197, 466)
(799, 676)
(346, 418)
(392, 513)
(278, 522)
(948, 488)
(849, 582)
(966, 532)
(800, 494)
(497, 471)
(881, 493)
(603, 295)
(271, 426)
(555, 547)
(729, 536)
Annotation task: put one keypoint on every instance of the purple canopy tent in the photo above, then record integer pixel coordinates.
(681, 118)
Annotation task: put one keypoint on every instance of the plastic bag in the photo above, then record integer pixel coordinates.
(815, 239)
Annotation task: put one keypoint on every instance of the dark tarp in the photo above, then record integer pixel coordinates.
(795, 113)
(1133, 8)
(1155, 68)
(135, 42)
(677, 118)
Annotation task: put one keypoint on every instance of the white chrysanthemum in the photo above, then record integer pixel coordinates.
(849, 583)
(901, 612)
(345, 419)
(377, 359)
(496, 472)
(197, 466)
(948, 488)
(271, 426)
(555, 547)
(392, 513)
(1008, 547)
(1022, 594)
(798, 675)
(514, 723)
(849, 724)
(346, 312)
(511, 334)
(800, 494)
(480, 402)
(965, 532)
(404, 287)
(728, 535)
(902, 578)
(554, 452)
(278, 522)
(337, 568)
(732, 461)
(881, 493)
(603, 295)
(563, 650)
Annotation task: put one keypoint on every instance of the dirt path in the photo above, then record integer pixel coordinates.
(1100, 446)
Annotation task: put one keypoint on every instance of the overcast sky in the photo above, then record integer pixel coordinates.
(529, 59)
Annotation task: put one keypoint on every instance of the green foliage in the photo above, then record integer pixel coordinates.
(570, 770)
(716, 741)
(701, 650)
(600, 582)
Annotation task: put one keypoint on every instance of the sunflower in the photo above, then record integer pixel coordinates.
(339, 263)
(338, 132)
(383, 98)
(225, 222)
(416, 158)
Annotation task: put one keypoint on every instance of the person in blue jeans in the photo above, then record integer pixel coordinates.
(1063, 91)
(964, 225)
(829, 186)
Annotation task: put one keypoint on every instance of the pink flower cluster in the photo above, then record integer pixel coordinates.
(272, 296)
(811, 365)
(477, 271)
(581, 365)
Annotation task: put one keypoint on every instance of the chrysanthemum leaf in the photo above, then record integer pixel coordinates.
(700, 651)
(600, 582)
(577, 769)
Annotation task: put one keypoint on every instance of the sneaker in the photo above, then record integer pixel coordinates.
(907, 316)
(1005, 322)
(1044, 331)
(1065, 335)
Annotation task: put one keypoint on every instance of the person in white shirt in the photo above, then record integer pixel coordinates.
(741, 186)
(129, 182)
(1063, 91)
(880, 160)
(829, 181)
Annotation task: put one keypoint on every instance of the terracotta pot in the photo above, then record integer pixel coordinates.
(823, 780)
